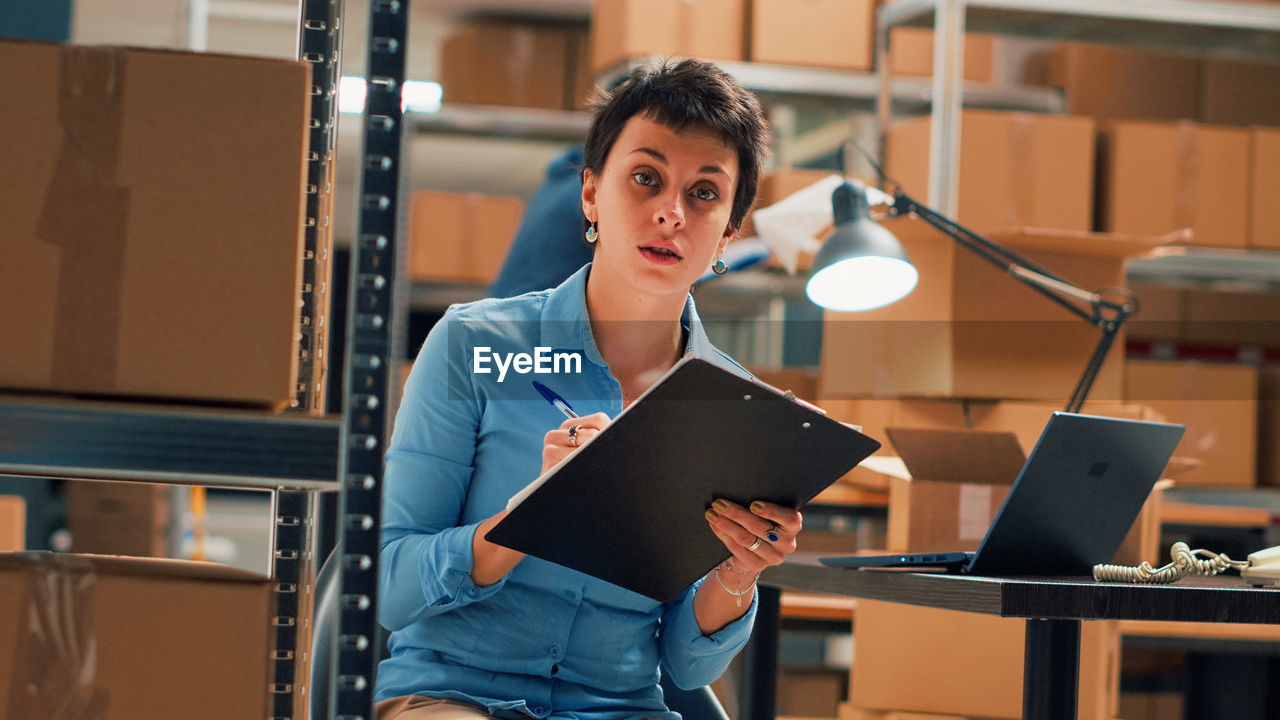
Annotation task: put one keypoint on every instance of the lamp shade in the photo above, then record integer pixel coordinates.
(862, 265)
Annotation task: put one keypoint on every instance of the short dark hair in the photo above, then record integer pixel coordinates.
(691, 92)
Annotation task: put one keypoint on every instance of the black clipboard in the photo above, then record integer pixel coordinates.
(627, 507)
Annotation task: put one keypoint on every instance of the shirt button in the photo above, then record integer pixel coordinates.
(555, 650)
(537, 710)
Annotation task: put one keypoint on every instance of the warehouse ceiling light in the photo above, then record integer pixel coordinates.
(417, 95)
(863, 266)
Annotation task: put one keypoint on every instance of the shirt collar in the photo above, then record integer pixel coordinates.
(566, 325)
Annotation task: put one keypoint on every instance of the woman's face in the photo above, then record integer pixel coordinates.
(662, 203)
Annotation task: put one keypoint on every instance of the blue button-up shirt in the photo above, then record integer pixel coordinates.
(544, 640)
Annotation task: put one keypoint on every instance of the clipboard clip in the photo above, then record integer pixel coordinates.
(790, 395)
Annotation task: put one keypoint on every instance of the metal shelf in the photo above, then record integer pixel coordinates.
(863, 87)
(1240, 269)
(1241, 29)
(167, 444)
(1248, 30)
(502, 122)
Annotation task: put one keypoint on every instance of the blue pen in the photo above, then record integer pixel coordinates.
(554, 398)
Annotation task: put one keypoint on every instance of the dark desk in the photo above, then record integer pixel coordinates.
(1054, 608)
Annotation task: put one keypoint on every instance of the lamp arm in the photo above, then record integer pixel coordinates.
(1103, 314)
(1037, 278)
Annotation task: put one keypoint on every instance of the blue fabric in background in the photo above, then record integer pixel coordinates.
(549, 246)
(36, 19)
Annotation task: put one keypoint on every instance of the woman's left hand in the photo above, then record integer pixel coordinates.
(759, 536)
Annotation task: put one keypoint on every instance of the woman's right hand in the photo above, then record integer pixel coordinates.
(559, 443)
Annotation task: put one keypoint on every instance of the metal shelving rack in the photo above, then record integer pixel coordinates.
(1215, 27)
(864, 87)
(293, 455)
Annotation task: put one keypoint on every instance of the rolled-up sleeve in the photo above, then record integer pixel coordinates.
(426, 556)
(692, 659)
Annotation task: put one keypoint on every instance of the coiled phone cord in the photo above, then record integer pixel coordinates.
(1185, 562)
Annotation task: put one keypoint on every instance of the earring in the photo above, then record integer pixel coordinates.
(720, 268)
(592, 235)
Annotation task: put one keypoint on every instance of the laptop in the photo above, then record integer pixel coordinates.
(1070, 506)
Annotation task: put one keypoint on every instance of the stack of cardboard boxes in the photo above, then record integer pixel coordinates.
(539, 65)
(153, 239)
(972, 347)
(152, 245)
(1184, 142)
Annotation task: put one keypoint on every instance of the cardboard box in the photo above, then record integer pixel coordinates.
(811, 693)
(803, 381)
(836, 34)
(1219, 406)
(1239, 93)
(462, 237)
(1269, 425)
(1016, 169)
(501, 63)
(911, 53)
(119, 518)
(1107, 82)
(1143, 541)
(935, 515)
(1264, 188)
(582, 83)
(1161, 313)
(1152, 706)
(707, 29)
(847, 711)
(13, 523)
(951, 506)
(897, 645)
(1206, 318)
(1154, 178)
(138, 638)
(969, 330)
(1026, 420)
(1230, 319)
(152, 237)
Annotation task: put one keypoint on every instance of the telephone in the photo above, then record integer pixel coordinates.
(1262, 569)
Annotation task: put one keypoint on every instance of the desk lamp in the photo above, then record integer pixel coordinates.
(863, 266)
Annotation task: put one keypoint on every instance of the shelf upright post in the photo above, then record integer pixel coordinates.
(948, 86)
(320, 45)
(293, 575)
(293, 510)
(884, 95)
(372, 323)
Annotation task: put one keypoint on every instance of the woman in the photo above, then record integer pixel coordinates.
(672, 161)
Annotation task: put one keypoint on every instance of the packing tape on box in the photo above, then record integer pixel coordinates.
(1022, 180)
(1187, 146)
(85, 213)
(55, 658)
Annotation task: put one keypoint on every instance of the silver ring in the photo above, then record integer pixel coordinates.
(573, 435)
(754, 545)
